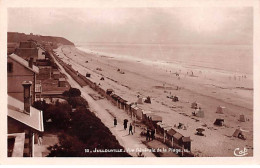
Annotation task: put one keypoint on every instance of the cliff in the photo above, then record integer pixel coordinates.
(15, 37)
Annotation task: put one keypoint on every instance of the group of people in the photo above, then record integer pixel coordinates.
(150, 134)
(125, 125)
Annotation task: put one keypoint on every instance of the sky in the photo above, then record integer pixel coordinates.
(177, 25)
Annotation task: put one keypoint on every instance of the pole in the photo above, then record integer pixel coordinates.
(164, 136)
(134, 123)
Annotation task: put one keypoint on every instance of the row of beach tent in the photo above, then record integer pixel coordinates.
(220, 121)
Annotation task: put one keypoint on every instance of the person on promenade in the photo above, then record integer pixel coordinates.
(130, 129)
(115, 122)
(40, 140)
(125, 123)
(148, 134)
(152, 134)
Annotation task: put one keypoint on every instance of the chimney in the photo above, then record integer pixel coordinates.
(27, 96)
(31, 62)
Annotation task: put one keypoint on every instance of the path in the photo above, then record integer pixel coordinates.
(127, 141)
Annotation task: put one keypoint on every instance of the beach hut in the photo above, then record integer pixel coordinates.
(127, 106)
(122, 103)
(239, 134)
(88, 75)
(221, 110)
(161, 127)
(194, 105)
(219, 122)
(138, 112)
(109, 91)
(145, 113)
(154, 118)
(177, 138)
(140, 100)
(242, 118)
(170, 133)
(186, 143)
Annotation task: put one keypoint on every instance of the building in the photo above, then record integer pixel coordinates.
(19, 70)
(56, 75)
(30, 49)
(61, 82)
(27, 50)
(41, 53)
(25, 123)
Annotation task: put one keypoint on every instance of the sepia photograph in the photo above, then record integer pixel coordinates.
(150, 81)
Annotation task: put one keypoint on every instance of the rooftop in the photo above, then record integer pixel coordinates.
(177, 136)
(33, 120)
(62, 79)
(23, 62)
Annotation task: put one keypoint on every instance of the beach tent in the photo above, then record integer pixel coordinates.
(148, 100)
(175, 99)
(239, 134)
(242, 118)
(219, 122)
(140, 100)
(194, 105)
(199, 113)
(221, 110)
(200, 131)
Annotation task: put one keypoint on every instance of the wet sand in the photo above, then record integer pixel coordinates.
(209, 87)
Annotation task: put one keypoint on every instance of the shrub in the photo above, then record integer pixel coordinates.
(77, 102)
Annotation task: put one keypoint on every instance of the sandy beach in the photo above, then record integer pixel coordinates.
(209, 87)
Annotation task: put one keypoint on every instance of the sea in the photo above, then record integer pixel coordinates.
(231, 58)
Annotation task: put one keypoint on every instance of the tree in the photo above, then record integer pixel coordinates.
(69, 146)
(72, 92)
(59, 114)
(77, 102)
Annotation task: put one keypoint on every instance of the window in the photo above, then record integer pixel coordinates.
(9, 67)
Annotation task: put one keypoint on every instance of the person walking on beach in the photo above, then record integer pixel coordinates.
(130, 129)
(125, 123)
(115, 122)
(148, 135)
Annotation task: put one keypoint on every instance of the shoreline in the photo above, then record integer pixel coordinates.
(180, 63)
(171, 112)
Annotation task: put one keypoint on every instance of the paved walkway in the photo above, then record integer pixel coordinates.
(104, 109)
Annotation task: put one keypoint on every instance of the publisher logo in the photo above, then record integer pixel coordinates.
(240, 152)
